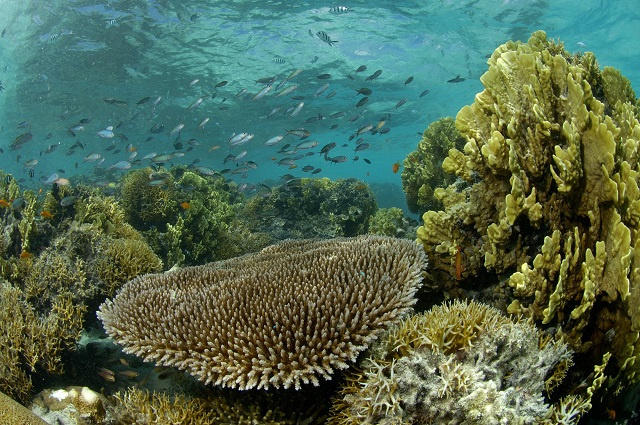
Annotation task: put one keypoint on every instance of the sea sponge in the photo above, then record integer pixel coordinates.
(422, 172)
(460, 362)
(548, 195)
(288, 315)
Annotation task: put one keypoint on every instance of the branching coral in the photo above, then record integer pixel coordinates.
(33, 342)
(551, 196)
(461, 362)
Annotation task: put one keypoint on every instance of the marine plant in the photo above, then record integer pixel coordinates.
(422, 172)
(548, 203)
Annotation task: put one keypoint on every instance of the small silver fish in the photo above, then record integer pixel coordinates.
(107, 133)
(176, 129)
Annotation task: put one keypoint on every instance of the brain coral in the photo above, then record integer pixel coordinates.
(551, 197)
(287, 315)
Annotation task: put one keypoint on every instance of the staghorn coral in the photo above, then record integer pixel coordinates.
(460, 362)
(422, 172)
(135, 406)
(287, 315)
(550, 198)
(32, 342)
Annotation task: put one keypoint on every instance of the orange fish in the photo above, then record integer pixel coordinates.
(4, 204)
(185, 205)
(25, 254)
(46, 214)
(395, 167)
(213, 148)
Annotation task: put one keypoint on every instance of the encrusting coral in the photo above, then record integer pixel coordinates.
(285, 316)
(549, 196)
(422, 172)
(460, 362)
(13, 413)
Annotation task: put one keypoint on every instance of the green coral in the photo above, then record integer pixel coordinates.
(422, 171)
(308, 207)
(148, 206)
(549, 198)
(390, 222)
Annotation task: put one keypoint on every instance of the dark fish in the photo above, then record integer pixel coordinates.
(364, 91)
(85, 121)
(221, 84)
(31, 172)
(194, 17)
(157, 128)
(308, 168)
(400, 103)
(143, 100)
(458, 79)
(361, 147)
(325, 37)
(338, 159)
(315, 59)
(424, 93)
(316, 171)
(323, 76)
(21, 140)
(266, 80)
(374, 75)
(361, 68)
(366, 160)
(362, 102)
(24, 124)
(408, 80)
(326, 148)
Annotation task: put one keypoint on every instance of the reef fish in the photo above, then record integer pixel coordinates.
(325, 37)
(458, 79)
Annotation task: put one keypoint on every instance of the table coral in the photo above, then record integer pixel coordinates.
(550, 197)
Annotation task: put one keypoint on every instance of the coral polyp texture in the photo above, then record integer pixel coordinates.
(461, 362)
(282, 317)
(550, 197)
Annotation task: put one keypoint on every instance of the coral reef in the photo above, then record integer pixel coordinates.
(148, 206)
(548, 196)
(33, 342)
(460, 362)
(422, 171)
(391, 222)
(77, 254)
(288, 315)
(304, 208)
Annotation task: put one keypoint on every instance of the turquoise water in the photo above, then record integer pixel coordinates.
(60, 60)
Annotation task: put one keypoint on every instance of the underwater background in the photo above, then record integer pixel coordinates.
(139, 137)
